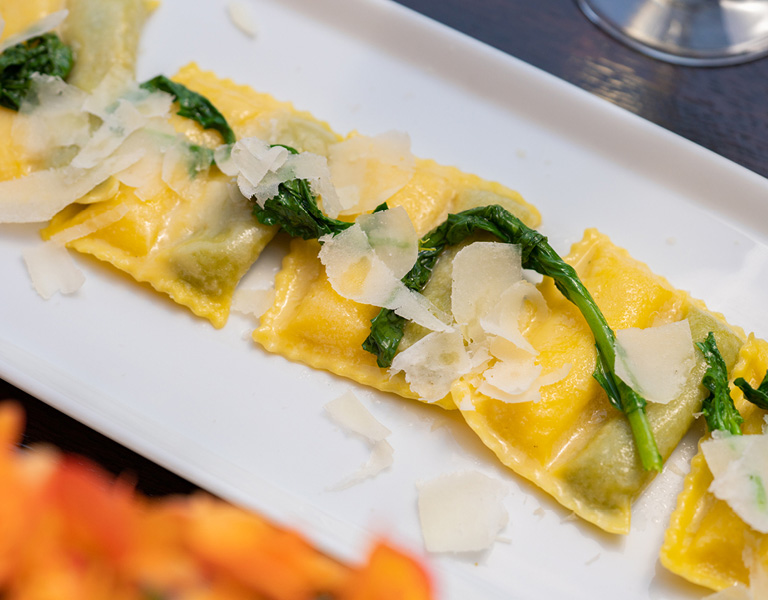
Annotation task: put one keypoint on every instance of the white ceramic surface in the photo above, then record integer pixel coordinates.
(250, 426)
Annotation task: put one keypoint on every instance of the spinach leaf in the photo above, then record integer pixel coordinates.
(758, 396)
(193, 106)
(387, 327)
(45, 54)
(295, 210)
(718, 408)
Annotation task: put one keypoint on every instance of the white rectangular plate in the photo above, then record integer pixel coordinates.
(250, 426)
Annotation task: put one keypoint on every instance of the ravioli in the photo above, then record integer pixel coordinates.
(196, 243)
(706, 541)
(311, 323)
(572, 443)
(17, 16)
(194, 239)
(104, 37)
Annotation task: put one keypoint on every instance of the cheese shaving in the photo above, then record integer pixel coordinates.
(253, 302)
(350, 414)
(250, 159)
(51, 118)
(516, 377)
(314, 169)
(56, 128)
(655, 361)
(37, 197)
(461, 512)
(241, 16)
(119, 122)
(506, 387)
(739, 466)
(488, 301)
(503, 319)
(367, 171)
(432, 364)
(515, 372)
(260, 169)
(44, 25)
(180, 169)
(52, 270)
(91, 225)
(482, 272)
(393, 238)
(355, 271)
(146, 174)
(382, 457)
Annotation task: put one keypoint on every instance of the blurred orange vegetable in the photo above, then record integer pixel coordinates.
(70, 530)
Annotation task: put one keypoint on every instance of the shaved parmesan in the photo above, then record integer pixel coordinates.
(739, 466)
(655, 362)
(146, 174)
(515, 373)
(356, 272)
(482, 272)
(488, 298)
(40, 195)
(56, 128)
(503, 319)
(260, 169)
(251, 159)
(91, 225)
(180, 169)
(348, 412)
(393, 238)
(51, 117)
(253, 302)
(241, 16)
(516, 377)
(314, 169)
(382, 457)
(461, 512)
(120, 121)
(44, 25)
(432, 364)
(497, 387)
(56, 122)
(367, 171)
(52, 270)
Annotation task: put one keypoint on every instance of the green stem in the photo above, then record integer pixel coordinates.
(537, 254)
(649, 453)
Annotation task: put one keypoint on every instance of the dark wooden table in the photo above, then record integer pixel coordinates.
(723, 109)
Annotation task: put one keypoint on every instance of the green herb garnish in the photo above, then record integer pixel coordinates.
(193, 106)
(45, 54)
(296, 211)
(759, 396)
(200, 158)
(387, 327)
(718, 408)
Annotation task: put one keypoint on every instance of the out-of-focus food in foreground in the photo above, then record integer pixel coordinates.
(69, 530)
